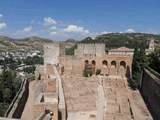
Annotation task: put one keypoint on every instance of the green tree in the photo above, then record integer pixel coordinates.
(9, 85)
(70, 51)
(7, 94)
(140, 61)
(3, 108)
(33, 60)
(28, 61)
(37, 60)
(30, 69)
(154, 59)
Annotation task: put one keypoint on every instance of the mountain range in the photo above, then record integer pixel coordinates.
(112, 40)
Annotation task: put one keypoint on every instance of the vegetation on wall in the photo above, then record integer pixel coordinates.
(88, 71)
(70, 51)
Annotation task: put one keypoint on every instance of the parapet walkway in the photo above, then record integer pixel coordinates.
(28, 110)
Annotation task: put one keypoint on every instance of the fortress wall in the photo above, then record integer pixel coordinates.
(51, 53)
(91, 49)
(46, 94)
(16, 107)
(150, 91)
(100, 49)
(75, 64)
(62, 103)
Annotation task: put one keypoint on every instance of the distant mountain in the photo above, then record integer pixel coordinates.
(7, 43)
(112, 40)
(70, 41)
(130, 40)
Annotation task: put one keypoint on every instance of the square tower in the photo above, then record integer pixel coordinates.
(51, 53)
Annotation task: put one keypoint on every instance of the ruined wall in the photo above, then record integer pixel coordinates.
(51, 53)
(94, 55)
(61, 97)
(40, 107)
(151, 92)
(76, 64)
(49, 93)
(95, 49)
(72, 64)
(46, 94)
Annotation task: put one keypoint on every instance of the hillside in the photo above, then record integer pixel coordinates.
(112, 40)
(130, 40)
(7, 43)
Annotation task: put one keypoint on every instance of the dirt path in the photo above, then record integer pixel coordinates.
(28, 110)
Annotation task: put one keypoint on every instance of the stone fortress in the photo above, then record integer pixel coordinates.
(61, 92)
(114, 63)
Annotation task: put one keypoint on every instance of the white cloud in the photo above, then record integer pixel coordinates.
(27, 29)
(3, 25)
(105, 32)
(49, 21)
(53, 28)
(76, 29)
(1, 15)
(130, 30)
(53, 33)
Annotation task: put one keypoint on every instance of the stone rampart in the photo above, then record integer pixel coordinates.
(16, 107)
(150, 91)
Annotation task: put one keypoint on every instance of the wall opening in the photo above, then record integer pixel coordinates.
(105, 70)
(113, 70)
(93, 62)
(86, 62)
(123, 64)
(122, 69)
(88, 69)
(104, 63)
(113, 64)
(93, 66)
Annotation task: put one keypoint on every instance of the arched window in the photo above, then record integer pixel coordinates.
(113, 69)
(86, 62)
(93, 62)
(113, 63)
(123, 63)
(104, 62)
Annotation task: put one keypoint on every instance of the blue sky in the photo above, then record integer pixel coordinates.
(63, 19)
